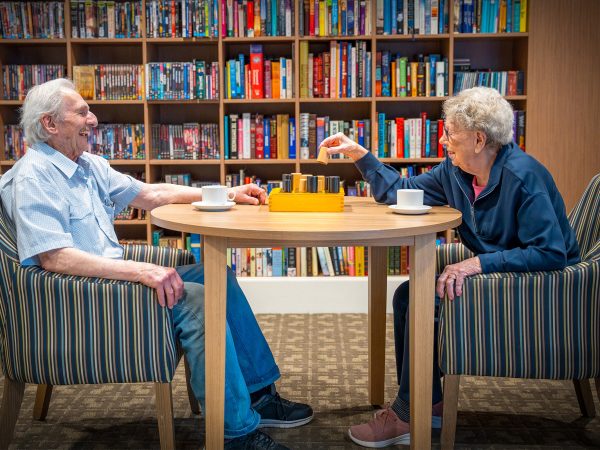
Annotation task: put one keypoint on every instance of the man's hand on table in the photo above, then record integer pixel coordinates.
(250, 193)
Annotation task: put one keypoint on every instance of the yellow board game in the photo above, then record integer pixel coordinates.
(306, 201)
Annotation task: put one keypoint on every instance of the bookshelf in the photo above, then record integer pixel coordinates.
(496, 51)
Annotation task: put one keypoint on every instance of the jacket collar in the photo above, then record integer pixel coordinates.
(495, 173)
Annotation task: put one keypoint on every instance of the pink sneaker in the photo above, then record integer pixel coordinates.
(385, 429)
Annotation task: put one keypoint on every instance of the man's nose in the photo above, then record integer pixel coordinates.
(92, 120)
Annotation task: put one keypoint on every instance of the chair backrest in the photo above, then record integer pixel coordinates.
(585, 218)
(9, 259)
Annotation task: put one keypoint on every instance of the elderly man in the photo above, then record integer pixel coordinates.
(62, 202)
(514, 220)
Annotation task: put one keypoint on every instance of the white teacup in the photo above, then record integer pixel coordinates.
(409, 198)
(217, 195)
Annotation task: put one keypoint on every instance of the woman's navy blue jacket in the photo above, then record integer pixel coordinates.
(518, 223)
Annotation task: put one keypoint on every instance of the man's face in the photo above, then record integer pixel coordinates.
(70, 133)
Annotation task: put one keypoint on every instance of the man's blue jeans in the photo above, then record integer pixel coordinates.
(249, 363)
(401, 339)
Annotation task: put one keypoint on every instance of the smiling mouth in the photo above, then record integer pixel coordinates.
(84, 133)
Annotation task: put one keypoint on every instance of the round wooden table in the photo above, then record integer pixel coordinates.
(363, 222)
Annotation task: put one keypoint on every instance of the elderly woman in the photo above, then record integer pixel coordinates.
(513, 219)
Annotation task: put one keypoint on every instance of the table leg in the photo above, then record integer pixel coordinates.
(215, 288)
(421, 312)
(377, 304)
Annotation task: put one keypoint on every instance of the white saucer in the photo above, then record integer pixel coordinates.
(424, 209)
(202, 206)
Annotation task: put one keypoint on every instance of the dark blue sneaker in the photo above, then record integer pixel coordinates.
(257, 440)
(277, 412)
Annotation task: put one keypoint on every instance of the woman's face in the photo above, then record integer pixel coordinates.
(463, 146)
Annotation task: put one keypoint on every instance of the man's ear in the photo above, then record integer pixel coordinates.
(481, 140)
(49, 123)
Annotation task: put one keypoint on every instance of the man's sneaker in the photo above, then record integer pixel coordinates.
(277, 412)
(257, 440)
(385, 429)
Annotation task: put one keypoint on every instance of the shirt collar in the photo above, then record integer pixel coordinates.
(60, 161)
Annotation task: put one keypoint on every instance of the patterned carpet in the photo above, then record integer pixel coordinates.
(323, 359)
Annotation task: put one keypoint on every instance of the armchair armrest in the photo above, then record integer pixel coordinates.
(70, 330)
(451, 254)
(161, 256)
(525, 325)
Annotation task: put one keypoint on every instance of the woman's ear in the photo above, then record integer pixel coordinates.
(481, 140)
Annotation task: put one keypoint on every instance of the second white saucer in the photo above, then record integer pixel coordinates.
(423, 209)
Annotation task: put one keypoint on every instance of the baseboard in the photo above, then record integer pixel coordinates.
(311, 295)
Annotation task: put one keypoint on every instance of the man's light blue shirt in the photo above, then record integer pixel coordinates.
(55, 202)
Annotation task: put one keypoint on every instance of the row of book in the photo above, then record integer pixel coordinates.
(396, 76)
(342, 72)
(507, 82)
(185, 179)
(185, 141)
(110, 81)
(314, 129)
(335, 18)
(105, 19)
(14, 142)
(118, 141)
(490, 16)
(191, 243)
(32, 20)
(412, 17)
(255, 136)
(182, 80)
(260, 77)
(409, 138)
(131, 213)
(311, 261)
(254, 18)
(182, 18)
(258, 137)
(17, 79)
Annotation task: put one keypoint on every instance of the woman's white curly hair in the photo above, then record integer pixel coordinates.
(482, 109)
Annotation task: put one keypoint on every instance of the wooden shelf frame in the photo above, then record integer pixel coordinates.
(154, 111)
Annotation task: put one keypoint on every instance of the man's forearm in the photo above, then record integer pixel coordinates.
(154, 195)
(72, 261)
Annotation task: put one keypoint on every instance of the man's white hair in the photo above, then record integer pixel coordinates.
(482, 109)
(46, 98)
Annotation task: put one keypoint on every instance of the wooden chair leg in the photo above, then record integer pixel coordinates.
(164, 413)
(42, 401)
(451, 388)
(194, 405)
(9, 412)
(584, 397)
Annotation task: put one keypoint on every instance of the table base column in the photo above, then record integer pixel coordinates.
(215, 288)
(377, 305)
(421, 312)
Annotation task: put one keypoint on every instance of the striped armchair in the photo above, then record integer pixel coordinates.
(57, 330)
(526, 325)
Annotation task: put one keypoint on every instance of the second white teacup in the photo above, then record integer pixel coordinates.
(409, 198)
(217, 195)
